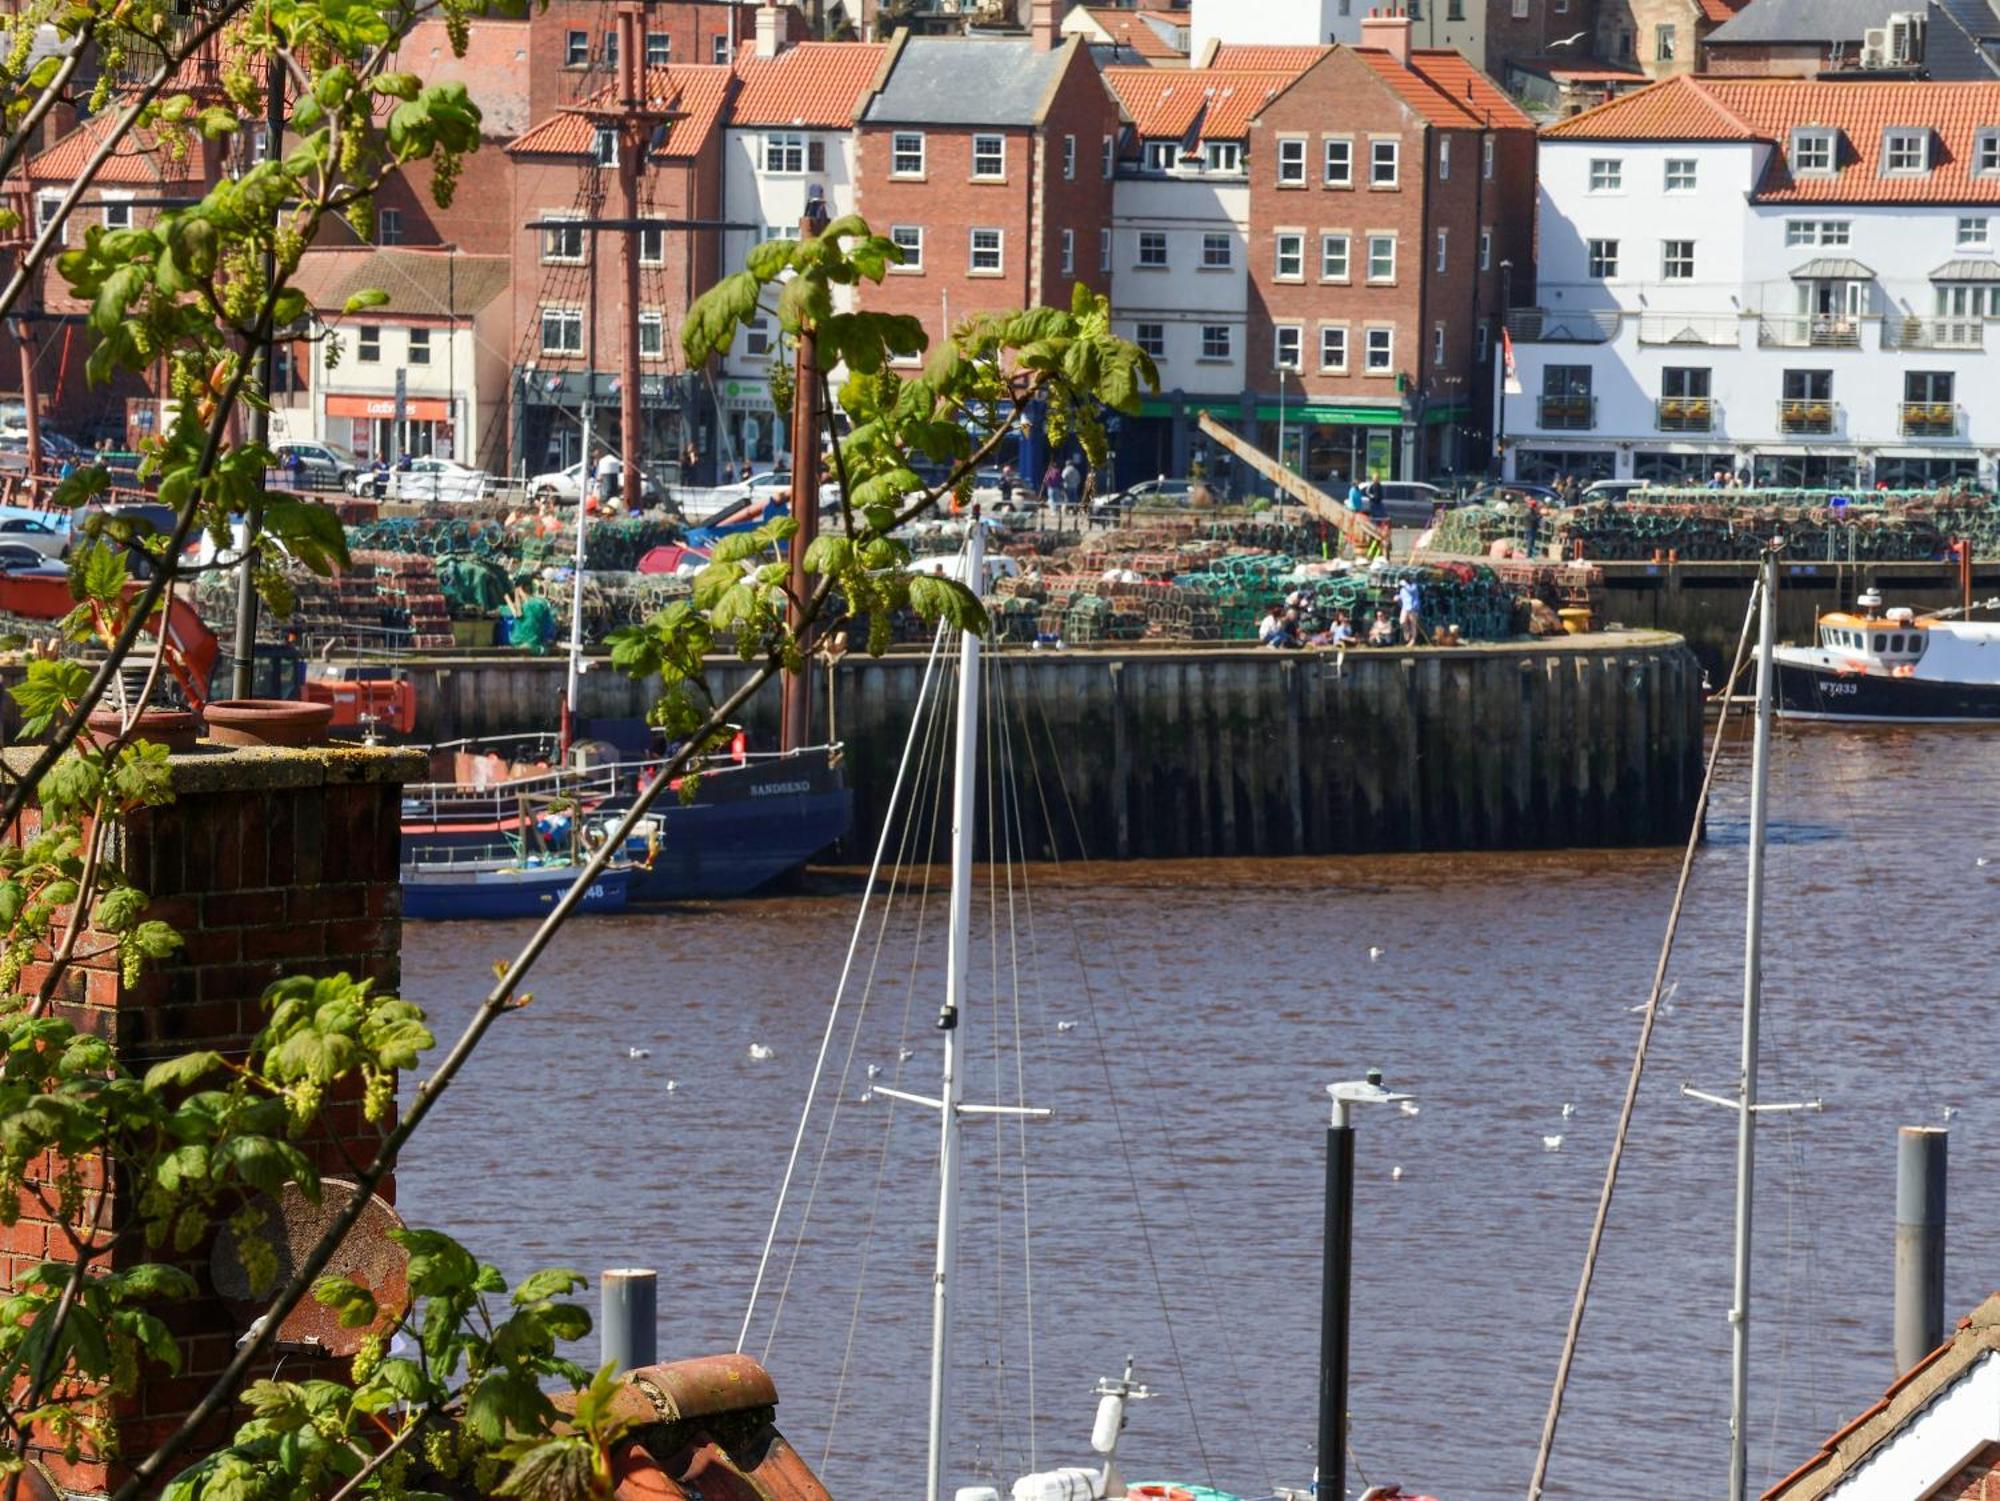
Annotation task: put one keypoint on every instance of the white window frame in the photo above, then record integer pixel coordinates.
(1911, 139)
(1104, 250)
(784, 153)
(1375, 238)
(1986, 152)
(1816, 142)
(1444, 158)
(1330, 242)
(1107, 157)
(368, 344)
(1217, 351)
(719, 48)
(651, 319)
(388, 226)
(1291, 161)
(1155, 346)
(551, 253)
(1223, 158)
(419, 346)
(906, 144)
(46, 205)
(1486, 157)
(1295, 335)
(1387, 364)
(989, 144)
(1069, 158)
(1385, 151)
(1975, 232)
(973, 251)
(1677, 253)
(1288, 245)
(1443, 250)
(1162, 156)
(1150, 250)
(565, 316)
(653, 247)
(1607, 174)
(1333, 331)
(1337, 161)
(662, 55)
(122, 203)
(1682, 174)
(573, 57)
(910, 238)
(1486, 250)
(604, 146)
(1601, 259)
(1211, 241)
(1437, 345)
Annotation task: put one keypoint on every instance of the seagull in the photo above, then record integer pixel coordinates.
(1396, 1173)
(638, 1053)
(759, 1052)
(1410, 1107)
(1374, 953)
(1568, 1110)
(1982, 862)
(906, 1054)
(874, 1069)
(1568, 41)
(1552, 1143)
(1949, 1111)
(866, 1097)
(256, 1328)
(1065, 1026)
(672, 1085)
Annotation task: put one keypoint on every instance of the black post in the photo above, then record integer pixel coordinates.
(1920, 1223)
(1500, 371)
(1336, 1279)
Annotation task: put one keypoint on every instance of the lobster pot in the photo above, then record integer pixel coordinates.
(1067, 1484)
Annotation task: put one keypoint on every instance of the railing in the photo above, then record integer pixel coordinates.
(1712, 330)
(1935, 333)
(1809, 333)
(1806, 416)
(1566, 413)
(1929, 419)
(1684, 414)
(1537, 325)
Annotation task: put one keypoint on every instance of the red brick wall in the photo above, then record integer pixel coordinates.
(1509, 37)
(1785, 60)
(288, 864)
(1978, 1481)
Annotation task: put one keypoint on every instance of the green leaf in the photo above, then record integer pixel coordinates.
(554, 1282)
(98, 574)
(179, 1073)
(362, 301)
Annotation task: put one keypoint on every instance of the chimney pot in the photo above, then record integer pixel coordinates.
(770, 31)
(1390, 33)
(1044, 25)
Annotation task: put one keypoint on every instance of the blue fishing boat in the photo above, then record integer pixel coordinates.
(454, 885)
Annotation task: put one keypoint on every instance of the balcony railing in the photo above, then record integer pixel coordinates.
(1712, 330)
(1805, 416)
(1809, 333)
(1537, 325)
(1566, 414)
(1930, 419)
(1684, 414)
(1935, 333)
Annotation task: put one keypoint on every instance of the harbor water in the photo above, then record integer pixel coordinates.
(1182, 1020)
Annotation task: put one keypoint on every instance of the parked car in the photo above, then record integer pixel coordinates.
(47, 540)
(566, 485)
(322, 466)
(1149, 492)
(1615, 489)
(1411, 503)
(18, 558)
(1513, 493)
(426, 479)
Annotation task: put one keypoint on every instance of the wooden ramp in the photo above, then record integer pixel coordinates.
(1359, 531)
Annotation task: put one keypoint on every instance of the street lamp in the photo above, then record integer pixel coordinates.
(1336, 1278)
(1282, 460)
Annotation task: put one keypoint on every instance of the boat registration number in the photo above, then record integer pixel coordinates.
(1837, 690)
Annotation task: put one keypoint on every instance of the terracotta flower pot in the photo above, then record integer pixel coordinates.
(267, 721)
(176, 729)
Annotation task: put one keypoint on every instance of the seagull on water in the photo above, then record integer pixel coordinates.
(1410, 1107)
(759, 1052)
(1552, 1143)
(906, 1054)
(1374, 953)
(1568, 1110)
(874, 1069)
(636, 1053)
(1396, 1173)
(1949, 1111)
(672, 1085)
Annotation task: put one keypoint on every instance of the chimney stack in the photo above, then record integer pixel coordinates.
(770, 31)
(1044, 25)
(1920, 1215)
(1390, 32)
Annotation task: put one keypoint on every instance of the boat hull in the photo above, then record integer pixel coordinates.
(1811, 692)
(449, 895)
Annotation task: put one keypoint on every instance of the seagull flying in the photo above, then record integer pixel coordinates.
(1568, 41)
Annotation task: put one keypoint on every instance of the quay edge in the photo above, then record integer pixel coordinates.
(1173, 752)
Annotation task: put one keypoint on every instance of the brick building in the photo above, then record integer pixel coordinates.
(564, 169)
(988, 159)
(1544, 31)
(1660, 38)
(1386, 185)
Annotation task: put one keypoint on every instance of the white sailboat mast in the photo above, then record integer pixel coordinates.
(958, 962)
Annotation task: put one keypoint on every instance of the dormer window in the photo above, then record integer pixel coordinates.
(1905, 152)
(1814, 152)
(1986, 152)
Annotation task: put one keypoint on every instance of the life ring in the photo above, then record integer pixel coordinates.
(1159, 1493)
(595, 833)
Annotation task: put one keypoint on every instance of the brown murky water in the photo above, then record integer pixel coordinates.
(1175, 1196)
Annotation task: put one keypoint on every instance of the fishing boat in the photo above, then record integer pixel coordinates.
(455, 885)
(1872, 665)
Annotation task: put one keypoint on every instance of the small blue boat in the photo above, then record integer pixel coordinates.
(447, 890)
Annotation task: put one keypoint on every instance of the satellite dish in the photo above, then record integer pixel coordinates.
(292, 1226)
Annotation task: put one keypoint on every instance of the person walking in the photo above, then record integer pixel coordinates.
(1409, 608)
(1072, 484)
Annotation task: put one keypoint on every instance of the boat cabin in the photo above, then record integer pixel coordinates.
(1896, 639)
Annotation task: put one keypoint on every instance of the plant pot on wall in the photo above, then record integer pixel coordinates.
(176, 729)
(267, 721)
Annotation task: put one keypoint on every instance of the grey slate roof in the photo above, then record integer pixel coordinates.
(1962, 42)
(965, 81)
(1806, 21)
(1969, 269)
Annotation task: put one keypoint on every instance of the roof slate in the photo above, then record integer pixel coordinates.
(698, 91)
(421, 283)
(1804, 21)
(1768, 109)
(966, 81)
(809, 86)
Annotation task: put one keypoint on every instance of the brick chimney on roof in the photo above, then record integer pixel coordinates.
(1388, 30)
(770, 31)
(1044, 25)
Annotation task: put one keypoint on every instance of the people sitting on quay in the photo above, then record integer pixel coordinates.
(1382, 632)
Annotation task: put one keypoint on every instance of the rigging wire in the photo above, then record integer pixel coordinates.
(1598, 1225)
(996, 856)
(840, 990)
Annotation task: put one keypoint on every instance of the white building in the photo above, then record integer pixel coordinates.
(1456, 25)
(1781, 276)
(789, 133)
(443, 340)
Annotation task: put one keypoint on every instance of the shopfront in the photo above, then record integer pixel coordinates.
(752, 432)
(369, 426)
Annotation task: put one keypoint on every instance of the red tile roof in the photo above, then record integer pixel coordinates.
(1719, 11)
(809, 86)
(1768, 109)
(1129, 29)
(139, 161)
(1263, 58)
(698, 91)
(1445, 89)
(1165, 101)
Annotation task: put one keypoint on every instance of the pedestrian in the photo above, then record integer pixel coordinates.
(1409, 607)
(1381, 632)
(1008, 483)
(610, 469)
(1357, 501)
(378, 477)
(1343, 629)
(1052, 485)
(1072, 483)
(1373, 493)
(1534, 531)
(1378, 505)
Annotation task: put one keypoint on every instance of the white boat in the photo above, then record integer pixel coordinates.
(1872, 665)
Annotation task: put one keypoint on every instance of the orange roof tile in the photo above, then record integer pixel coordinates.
(697, 90)
(1457, 78)
(1719, 11)
(809, 86)
(1166, 101)
(1768, 109)
(141, 160)
(1130, 29)
(1265, 58)
(1417, 91)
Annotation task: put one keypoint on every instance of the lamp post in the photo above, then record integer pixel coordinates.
(1282, 460)
(1500, 371)
(1330, 1483)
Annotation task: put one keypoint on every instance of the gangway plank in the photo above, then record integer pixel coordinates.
(1362, 533)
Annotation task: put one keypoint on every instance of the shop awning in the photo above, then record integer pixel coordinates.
(1833, 268)
(1342, 414)
(415, 408)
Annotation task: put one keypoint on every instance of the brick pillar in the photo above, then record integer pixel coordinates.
(270, 863)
